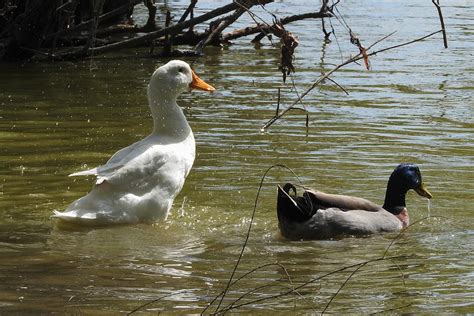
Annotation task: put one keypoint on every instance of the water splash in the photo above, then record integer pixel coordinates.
(182, 211)
(429, 207)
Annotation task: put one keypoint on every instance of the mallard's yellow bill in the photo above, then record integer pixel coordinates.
(422, 191)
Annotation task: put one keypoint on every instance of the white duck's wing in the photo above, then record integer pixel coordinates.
(132, 160)
(141, 163)
(116, 161)
(124, 153)
(97, 171)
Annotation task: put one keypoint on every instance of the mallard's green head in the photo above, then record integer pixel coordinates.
(406, 176)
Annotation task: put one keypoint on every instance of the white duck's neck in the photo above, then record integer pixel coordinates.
(168, 118)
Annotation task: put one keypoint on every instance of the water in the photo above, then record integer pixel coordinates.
(415, 105)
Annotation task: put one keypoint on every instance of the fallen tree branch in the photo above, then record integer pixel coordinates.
(267, 28)
(172, 30)
(219, 28)
(348, 61)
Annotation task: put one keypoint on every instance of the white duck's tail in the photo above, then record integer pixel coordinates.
(90, 172)
(74, 217)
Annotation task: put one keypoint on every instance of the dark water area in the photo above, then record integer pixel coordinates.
(415, 105)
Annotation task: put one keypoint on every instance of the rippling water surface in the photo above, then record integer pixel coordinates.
(416, 105)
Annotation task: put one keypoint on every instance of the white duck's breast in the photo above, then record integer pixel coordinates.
(170, 170)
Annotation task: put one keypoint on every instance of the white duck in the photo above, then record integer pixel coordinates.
(140, 182)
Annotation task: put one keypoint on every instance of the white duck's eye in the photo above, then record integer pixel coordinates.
(181, 70)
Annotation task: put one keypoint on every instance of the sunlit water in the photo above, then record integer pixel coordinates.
(416, 105)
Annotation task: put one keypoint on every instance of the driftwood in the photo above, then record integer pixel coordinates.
(73, 29)
(147, 38)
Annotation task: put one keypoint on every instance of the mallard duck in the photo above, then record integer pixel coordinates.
(140, 182)
(318, 215)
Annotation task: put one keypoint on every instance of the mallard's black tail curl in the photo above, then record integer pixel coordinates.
(293, 208)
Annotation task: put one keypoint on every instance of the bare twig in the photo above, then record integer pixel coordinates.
(342, 286)
(66, 6)
(403, 44)
(357, 267)
(383, 256)
(259, 25)
(278, 101)
(36, 51)
(158, 299)
(240, 278)
(362, 50)
(325, 8)
(400, 234)
(386, 311)
(250, 228)
(402, 275)
(340, 87)
(301, 101)
(443, 28)
(326, 33)
(168, 42)
(219, 28)
(337, 40)
(189, 10)
(270, 285)
(259, 28)
(315, 280)
(348, 61)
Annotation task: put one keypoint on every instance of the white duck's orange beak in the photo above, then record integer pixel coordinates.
(199, 84)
